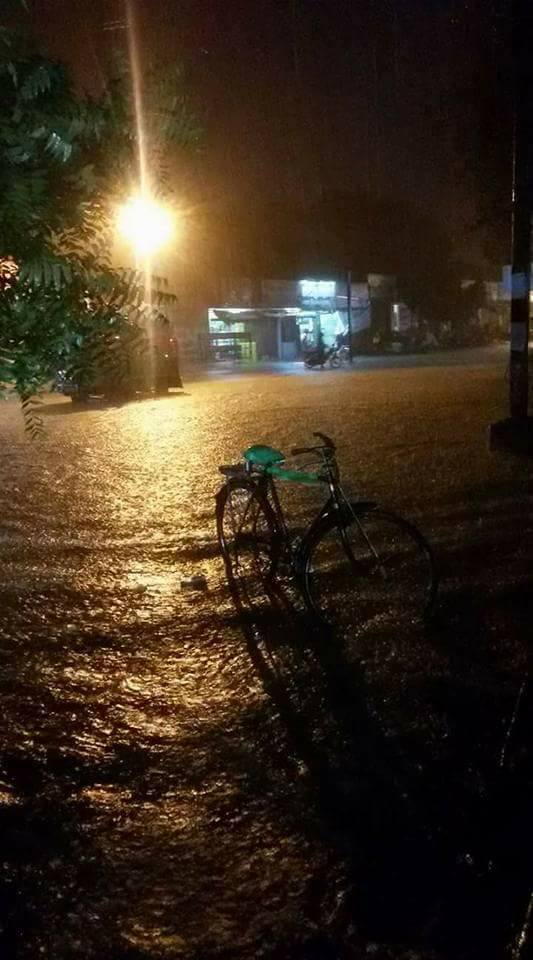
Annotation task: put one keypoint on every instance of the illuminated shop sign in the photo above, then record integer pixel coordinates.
(317, 289)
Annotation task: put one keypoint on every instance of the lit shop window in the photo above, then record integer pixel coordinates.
(317, 289)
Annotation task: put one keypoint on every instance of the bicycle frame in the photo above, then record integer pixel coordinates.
(337, 504)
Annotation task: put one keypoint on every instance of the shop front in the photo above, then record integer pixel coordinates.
(276, 332)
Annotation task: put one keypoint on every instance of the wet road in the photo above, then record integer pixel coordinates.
(492, 355)
(181, 778)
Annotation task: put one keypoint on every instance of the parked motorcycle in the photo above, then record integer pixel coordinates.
(341, 355)
(319, 358)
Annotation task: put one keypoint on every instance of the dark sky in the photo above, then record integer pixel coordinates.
(299, 96)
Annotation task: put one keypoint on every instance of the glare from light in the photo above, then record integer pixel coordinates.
(145, 224)
(317, 289)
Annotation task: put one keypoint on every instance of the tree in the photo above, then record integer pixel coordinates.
(65, 161)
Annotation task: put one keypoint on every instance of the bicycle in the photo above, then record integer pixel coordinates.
(356, 563)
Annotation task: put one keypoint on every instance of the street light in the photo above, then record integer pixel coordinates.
(145, 224)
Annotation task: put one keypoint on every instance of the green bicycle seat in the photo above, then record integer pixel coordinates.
(262, 455)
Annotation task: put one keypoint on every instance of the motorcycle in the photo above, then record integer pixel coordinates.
(318, 358)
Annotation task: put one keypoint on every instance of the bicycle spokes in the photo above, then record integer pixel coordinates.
(374, 569)
(248, 533)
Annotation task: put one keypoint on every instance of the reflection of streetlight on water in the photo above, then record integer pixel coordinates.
(147, 226)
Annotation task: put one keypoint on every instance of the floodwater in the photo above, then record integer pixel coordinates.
(190, 774)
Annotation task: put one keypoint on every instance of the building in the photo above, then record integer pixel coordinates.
(280, 319)
(274, 319)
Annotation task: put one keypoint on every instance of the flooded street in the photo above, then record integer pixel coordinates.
(184, 778)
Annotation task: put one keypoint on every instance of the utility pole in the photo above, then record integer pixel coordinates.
(349, 312)
(522, 197)
(516, 432)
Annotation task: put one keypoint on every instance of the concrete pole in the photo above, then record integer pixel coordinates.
(349, 312)
(522, 203)
(515, 434)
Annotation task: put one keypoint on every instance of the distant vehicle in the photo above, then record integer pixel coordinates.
(318, 358)
(152, 371)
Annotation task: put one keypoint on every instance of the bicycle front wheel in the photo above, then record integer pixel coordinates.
(369, 570)
(247, 531)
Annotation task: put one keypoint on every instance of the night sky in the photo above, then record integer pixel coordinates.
(301, 96)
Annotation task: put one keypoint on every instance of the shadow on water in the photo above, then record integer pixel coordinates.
(42, 848)
(411, 801)
(431, 835)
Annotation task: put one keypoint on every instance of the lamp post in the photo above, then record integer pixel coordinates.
(146, 226)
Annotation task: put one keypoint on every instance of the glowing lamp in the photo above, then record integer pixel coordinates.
(145, 224)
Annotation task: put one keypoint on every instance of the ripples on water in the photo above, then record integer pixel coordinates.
(169, 787)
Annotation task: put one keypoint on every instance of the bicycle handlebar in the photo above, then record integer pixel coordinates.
(327, 444)
(327, 441)
(298, 451)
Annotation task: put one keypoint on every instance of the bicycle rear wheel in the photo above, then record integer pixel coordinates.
(373, 569)
(247, 530)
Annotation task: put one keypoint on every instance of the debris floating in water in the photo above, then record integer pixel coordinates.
(197, 582)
